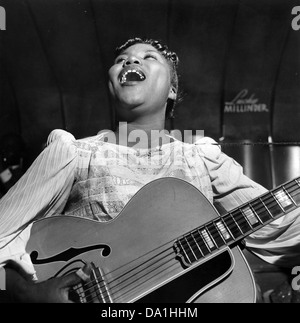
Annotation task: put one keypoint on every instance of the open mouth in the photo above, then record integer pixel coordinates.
(131, 75)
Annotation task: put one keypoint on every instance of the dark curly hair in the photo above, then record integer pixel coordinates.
(171, 58)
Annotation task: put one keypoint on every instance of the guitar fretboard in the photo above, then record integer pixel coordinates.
(239, 223)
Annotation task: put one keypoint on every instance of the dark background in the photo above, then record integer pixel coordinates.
(55, 55)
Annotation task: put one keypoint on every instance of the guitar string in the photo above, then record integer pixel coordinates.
(263, 209)
(140, 265)
(273, 203)
(159, 264)
(269, 202)
(231, 224)
(273, 200)
(153, 274)
(126, 291)
(129, 264)
(115, 286)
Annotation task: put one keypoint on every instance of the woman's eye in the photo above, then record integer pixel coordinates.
(150, 56)
(119, 60)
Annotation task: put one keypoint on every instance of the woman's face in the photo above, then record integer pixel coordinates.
(140, 81)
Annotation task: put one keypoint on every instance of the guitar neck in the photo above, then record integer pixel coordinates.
(239, 223)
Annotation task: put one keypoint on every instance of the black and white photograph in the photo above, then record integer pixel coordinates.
(150, 154)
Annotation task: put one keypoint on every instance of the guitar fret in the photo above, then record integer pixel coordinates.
(208, 239)
(233, 226)
(236, 223)
(206, 230)
(184, 252)
(242, 221)
(263, 214)
(283, 199)
(271, 215)
(294, 191)
(201, 243)
(214, 232)
(256, 213)
(274, 208)
(246, 218)
(223, 230)
(206, 244)
(250, 216)
(197, 245)
(191, 249)
(289, 196)
(275, 198)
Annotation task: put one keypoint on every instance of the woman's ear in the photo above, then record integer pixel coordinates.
(172, 94)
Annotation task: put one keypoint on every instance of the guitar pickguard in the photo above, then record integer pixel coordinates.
(199, 278)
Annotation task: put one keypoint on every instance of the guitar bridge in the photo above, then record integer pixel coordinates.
(95, 290)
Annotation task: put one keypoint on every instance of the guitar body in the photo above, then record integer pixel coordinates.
(135, 251)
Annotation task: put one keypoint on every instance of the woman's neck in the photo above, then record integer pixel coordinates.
(141, 135)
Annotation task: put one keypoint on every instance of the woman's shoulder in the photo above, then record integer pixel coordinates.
(202, 142)
(206, 141)
(208, 147)
(67, 137)
(205, 147)
(59, 135)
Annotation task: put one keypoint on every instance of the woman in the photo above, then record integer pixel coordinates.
(95, 177)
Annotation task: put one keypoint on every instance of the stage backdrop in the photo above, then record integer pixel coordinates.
(239, 70)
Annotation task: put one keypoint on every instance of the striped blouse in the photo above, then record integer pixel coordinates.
(95, 179)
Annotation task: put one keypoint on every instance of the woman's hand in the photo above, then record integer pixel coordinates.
(54, 290)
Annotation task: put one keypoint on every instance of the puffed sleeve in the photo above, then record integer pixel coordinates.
(42, 191)
(278, 242)
(231, 187)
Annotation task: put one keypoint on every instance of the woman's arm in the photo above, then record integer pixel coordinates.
(278, 242)
(42, 191)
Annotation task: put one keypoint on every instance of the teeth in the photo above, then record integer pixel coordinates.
(124, 76)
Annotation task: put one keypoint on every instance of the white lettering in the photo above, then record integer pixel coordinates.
(296, 280)
(118, 313)
(241, 104)
(171, 312)
(238, 108)
(296, 20)
(241, 98)
(2, 19)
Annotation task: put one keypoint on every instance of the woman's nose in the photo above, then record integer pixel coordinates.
(132, 60)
